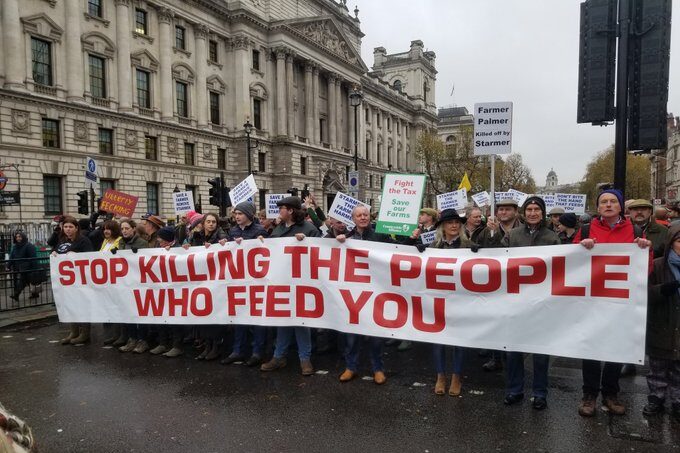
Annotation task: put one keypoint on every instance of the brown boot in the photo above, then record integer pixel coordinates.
(347, 375)
(587, 406)
(306, 367)
(440, 385)
(71, 335)
(612, 405)
(84, 336)
(274, 364)
(379, 377)
(456, 385)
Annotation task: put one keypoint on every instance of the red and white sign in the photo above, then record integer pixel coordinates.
(118, 203)
(557, 300)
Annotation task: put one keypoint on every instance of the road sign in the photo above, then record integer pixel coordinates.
(353, 178)
(91, 173)
(3, 180)
(9, 198)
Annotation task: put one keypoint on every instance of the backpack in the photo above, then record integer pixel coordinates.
(585, 231)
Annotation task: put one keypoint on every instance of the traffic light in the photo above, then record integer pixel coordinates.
(293, 191)
(225, 197)
(83, 205)
(648, 82)
(215, 191)
(597, 62)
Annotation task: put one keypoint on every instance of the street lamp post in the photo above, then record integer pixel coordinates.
(248, 128)
(355, 98)
(176, 190)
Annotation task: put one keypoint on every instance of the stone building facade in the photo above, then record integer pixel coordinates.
(665, 165)
(158, 93)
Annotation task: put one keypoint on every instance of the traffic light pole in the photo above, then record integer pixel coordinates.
(621, 132)
(92, 211)
(223, 202)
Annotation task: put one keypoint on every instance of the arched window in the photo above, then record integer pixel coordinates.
(397, 85)
(451, 139)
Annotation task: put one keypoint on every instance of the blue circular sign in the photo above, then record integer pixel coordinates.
(91, 165)
(353, 182)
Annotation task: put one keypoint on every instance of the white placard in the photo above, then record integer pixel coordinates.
(342, 207)
(482, 199)
(549, 201)
(452, 200)
(519, 197)
(571, 202)
(402, 197)
(427, 237)
(270, 200)
(493, 128)
(499, 196)
(183, 202)
(243, 190)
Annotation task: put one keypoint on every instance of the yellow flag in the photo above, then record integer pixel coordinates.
(465, 183)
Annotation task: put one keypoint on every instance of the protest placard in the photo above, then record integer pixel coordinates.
(519, 197)
(402, 196)
(493, 128)
(118, 203)
(456, 297)
(342, 207)
(270, 200)
(482, 199)
(183, 201)
(452, 200)
(427, 237)
(498, 196)
(571, 202)
(243, 190)
(549, 201)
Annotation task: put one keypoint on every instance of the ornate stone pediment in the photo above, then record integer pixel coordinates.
(41, 25)
(324, 33)
(144, 59)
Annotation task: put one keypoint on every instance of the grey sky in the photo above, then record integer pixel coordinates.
(524, 51)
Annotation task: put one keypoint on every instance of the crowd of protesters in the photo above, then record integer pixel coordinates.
(529, 225)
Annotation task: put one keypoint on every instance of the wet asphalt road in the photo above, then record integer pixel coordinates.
(91, 399)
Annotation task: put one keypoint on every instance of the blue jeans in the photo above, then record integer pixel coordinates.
(284, 336)
(439, 353)
(241, 337)
(514, 375)
(353, 348)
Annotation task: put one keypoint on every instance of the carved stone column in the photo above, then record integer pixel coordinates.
(350, 123)
(74, 53)
(290, 98)
(201, 33)
(281, 92)
(123, 65)
(338, 112)
(374, 131)
(165, 16)
(332, 117)
(395, 148)
(309, 103)
(315, 106)
(14, 54)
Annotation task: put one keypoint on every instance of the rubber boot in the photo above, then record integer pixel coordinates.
(84, 336)
(72, 334)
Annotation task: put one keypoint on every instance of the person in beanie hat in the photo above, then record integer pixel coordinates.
(246, 228)
(609, 226)
(567, 227)
(166, 236)
(533, 233)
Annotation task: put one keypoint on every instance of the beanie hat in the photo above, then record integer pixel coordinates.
(195, 219)
(247, 208)
(167, 233)
(617, 193)
(534, 200)
(568, 220)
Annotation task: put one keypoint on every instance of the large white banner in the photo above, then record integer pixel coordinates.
(558, 300)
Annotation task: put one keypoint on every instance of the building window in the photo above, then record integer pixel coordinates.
(42, 61)
(221, 159)
(377, 119)
(212, 51)
(152, 190)
(151, 147)
(425, 92)
(257, 113)
(214, 107)
(370, 181)
(397, 85)
(94, 8)
(263, 197)
(368, 116)
(105, 141)
(193, 190)
(141, 22)
(143, 89)
(322, 130)
(368, 147)
(378, 153)
(189, 154)
(256, 60)
(97, 77)
(398, 123)
(261, 162)
(52, 195)
(303, 165)
(106, 184)
(50, 133)
(181, 90)
(180, 37)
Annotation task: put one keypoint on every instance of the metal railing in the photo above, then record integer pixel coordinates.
(25, 282)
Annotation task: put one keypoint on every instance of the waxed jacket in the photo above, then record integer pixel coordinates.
(251, 231)
(523, 236)
(658, 235)
(485, 239)
(304, 227)
(199, 237)
(663, 315)
(135, 243)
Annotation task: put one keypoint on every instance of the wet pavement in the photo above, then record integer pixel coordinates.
(93, 399)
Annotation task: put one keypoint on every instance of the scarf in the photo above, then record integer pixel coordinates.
(674, 264)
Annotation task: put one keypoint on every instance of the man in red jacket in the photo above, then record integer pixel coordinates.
(610, 226)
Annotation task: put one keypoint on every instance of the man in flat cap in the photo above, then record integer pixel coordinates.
(554, 215)
(641, 215)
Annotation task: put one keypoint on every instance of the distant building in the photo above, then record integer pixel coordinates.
(665, 165)
(552, 185)
(452, 121)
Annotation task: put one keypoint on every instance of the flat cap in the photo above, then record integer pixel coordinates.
(291, 202)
